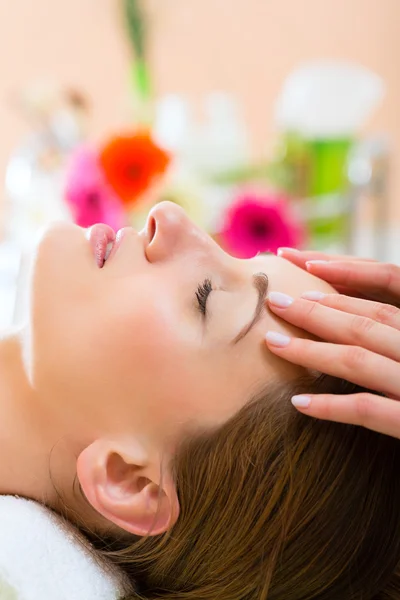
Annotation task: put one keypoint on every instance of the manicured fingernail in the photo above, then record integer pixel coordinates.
(313, 295)
(277, 339)
(283, 250)
(301, 401)
(311, 263)
(279, 299)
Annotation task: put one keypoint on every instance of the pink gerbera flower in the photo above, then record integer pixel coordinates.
(258, 223)
(89, 196)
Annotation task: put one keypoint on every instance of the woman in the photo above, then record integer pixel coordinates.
(148, 384)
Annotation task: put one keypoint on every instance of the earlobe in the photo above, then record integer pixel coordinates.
(122, 483)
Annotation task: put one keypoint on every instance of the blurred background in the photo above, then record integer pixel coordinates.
(273, 123)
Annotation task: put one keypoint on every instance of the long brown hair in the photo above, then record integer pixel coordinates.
(276, 506)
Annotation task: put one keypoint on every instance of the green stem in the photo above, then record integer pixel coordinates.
(141, 80)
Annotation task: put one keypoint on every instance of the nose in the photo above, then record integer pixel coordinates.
(170, 232)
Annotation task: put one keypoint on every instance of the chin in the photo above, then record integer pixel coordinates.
(60, 247)
(61, 263)
(59, 293)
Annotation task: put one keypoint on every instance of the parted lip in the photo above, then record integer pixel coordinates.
(99, 236)
(121, 233)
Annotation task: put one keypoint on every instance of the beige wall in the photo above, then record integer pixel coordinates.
(244, 46)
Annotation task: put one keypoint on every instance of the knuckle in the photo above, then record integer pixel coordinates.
(391, 273)
(307, 313)
(360, 327)
(312, 308)
(348, 276)
(332, 300)
(386, 313)
(354, 358)
(363, 409)
(329, 407)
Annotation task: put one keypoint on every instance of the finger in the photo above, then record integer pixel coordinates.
(382, 281)
(338, 326)
(370, 411)
(300, 257)
(341, 289)
(386, 314)
(352, 363)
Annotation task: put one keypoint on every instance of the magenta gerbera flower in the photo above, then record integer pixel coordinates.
(259, 223)
(89, 196)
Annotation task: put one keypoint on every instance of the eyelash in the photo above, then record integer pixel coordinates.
(202, 293)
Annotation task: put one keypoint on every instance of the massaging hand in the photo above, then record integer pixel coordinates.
(362, 342)
(360, 277)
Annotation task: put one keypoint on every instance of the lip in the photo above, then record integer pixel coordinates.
(99, 236)
(121, 234)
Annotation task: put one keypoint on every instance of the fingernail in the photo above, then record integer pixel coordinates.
(277, 339)
(310, 263)
(282, 250)
(279, 299)
(301, 401)
(313, 295)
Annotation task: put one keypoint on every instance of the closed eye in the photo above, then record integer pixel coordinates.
(202, 293)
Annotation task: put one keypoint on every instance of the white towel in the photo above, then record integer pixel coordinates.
(41, 558)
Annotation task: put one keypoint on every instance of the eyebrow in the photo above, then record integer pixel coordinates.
(260, 282)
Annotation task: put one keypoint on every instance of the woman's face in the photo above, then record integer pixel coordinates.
(130, 343)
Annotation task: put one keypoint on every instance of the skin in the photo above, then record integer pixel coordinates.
(359, 338)
(116, 364)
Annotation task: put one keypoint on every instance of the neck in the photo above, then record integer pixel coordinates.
(32, 446)
(40, 439)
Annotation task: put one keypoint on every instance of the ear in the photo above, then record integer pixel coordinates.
(122, 482)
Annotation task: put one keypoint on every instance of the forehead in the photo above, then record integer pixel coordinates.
(287, 278)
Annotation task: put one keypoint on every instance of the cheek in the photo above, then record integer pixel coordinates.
(143, 338)
(140, 336)
(151, 363)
